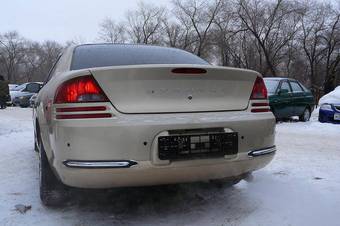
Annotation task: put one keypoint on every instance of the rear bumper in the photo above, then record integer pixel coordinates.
(327, 116)
(134, 138)
(144, 173)
(116, 164)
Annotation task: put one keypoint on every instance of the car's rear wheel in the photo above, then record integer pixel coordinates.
(52, 191)
(305, 115)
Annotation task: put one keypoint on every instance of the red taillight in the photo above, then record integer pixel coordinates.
(259, 104)
(259, 93)
(259, 90)
(82, 89)
(79, 109)
(84, 116)
(259, 110)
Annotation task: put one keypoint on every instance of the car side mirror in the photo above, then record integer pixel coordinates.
(283, 91)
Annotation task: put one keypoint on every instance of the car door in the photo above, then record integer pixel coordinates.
(282, 103)
(298, 98)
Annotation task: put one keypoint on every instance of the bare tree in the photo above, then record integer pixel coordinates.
(11, 54)
(112, 32)
(332, 42)
(273, 25)
(313, 26)
(292, 38)
(198, 15)
(178, 35)
(38, 60)
(231, 39)
(145, 24)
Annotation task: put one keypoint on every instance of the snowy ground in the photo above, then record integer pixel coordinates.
(300, 187)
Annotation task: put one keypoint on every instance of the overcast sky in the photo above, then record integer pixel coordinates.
(62, 20)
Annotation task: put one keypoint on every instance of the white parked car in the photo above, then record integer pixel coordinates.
(133, 115)
(12, 86)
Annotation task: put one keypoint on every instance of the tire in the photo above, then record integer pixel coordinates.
(37, 139)
(52, 192)
(321, 119)
(36, 148)
(277, 119)
(305, 117)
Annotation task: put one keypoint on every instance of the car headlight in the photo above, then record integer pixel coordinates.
(21, 98)
(326, 107)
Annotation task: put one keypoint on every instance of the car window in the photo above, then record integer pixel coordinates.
(89, 56)
(33, 87)
(296, 87)
(303, 87)
(271, 85)
(285, 85)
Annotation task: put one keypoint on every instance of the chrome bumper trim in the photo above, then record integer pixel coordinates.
(265, 151)
(99, 164)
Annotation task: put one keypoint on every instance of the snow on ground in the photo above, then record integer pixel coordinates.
(300, 187)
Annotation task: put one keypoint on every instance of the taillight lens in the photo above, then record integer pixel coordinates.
(259, 90)
(259, 94)
(82, 89)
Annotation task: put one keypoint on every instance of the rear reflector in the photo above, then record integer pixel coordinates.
(259, 104)
(80, 90)
(78, 109)
(189, 71)
(84, 116)
(258, 110)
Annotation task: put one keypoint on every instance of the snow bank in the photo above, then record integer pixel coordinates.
(331, 98)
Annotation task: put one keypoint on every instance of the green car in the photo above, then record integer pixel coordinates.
(288, 97)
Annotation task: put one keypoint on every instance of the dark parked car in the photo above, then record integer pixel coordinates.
(288, 97)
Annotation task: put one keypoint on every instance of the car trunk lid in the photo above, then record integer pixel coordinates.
(170, 89)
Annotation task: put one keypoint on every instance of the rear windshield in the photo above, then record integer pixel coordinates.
(89, 56)
(271, 85)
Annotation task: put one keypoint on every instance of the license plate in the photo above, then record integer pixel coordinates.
(336, 116)
(197, 146)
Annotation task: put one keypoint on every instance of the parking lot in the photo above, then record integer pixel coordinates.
(300, 187)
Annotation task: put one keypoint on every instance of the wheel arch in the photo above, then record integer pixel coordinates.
(43, 139)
